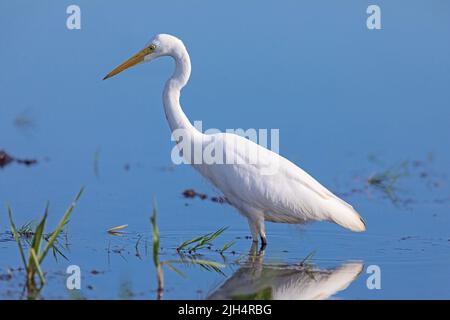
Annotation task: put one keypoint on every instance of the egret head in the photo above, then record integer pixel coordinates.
(160, 45)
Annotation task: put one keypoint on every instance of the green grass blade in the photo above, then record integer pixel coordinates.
(227, 246)
(308, 258)
(172, 267)
(155, 237)
(60, 226)
(202, 241)
(216, 234)
(204, 264)
(208, 265)
(34, 259)
(57, 251)
(26, 229)
(17, 238)
(39, 235)
(188, 242)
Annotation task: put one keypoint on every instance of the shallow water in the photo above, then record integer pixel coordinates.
(352, 106)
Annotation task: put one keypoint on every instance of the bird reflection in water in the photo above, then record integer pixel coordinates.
(300, 281)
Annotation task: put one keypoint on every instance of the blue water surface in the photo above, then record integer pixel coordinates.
(350, 104)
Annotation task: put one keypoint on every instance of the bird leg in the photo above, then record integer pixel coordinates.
(262, 233)
(263, 242)
(253, 250)
(258, 230)
(253, 230)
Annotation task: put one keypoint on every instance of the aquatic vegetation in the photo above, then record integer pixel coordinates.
(136, 246)
(403, 184)
(201, 242)
(386, 181)
(26, 230)
(25, 121)
(194, 260)
(97, 163)
(36, 256)
(307, 264)
(227, 246)
(156, 246)
(184, 259)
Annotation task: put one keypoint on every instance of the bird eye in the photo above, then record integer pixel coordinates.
(152, 47)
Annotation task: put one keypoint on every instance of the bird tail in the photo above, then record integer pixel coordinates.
(348, 218)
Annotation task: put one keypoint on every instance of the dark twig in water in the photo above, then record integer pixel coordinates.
(191, 193)
(6, 159)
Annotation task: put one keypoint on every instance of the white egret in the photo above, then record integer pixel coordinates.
(288, 194)
(287, 282)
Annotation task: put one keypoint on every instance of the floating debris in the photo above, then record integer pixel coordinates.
(191, 194)
(219, 199)
(117, 230)
(96, 272)
(6, 159)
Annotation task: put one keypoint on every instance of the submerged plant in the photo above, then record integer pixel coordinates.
(97, 163)
(185, 260)
(386, 181)
(33, 261)
(26, 230)
(307, 264)
(197, 243)
(227, 246)
(156, 262)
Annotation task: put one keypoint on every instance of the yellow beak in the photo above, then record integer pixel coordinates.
(134, 60)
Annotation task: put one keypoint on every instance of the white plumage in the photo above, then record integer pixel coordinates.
(287, 282)
(261, 184)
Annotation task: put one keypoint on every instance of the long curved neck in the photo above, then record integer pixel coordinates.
(171, 95)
